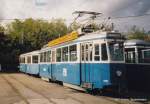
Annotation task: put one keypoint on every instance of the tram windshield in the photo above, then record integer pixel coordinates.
(116, 51)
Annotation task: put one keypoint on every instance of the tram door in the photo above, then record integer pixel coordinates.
(86, 66)
(53, 60)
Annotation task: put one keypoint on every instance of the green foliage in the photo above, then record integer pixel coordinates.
(1, 29)
(28, 35)
(136, 33)
(35, 33)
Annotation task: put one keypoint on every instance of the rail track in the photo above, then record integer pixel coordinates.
(34, 90)
(15, 89)
(20, 83)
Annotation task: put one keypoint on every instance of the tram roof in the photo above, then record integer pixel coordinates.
(99, 35)
(136, 42)
(31, 53)
(89, 37)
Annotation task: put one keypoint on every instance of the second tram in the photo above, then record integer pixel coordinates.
(137, 56)
(29, 63)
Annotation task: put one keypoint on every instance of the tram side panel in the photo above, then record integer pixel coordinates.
(23, 67)
(97, 75)
(137, 55)
(66, 72)
(32, 69)
(45, 71)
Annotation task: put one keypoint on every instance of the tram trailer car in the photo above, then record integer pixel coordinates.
(22, 61)
(29, 63)
(137, 55)
(92, 61)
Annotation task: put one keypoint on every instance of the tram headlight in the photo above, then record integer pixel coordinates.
(119, 73)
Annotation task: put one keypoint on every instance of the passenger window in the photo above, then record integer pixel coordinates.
(97, 52)
(58, 55)
(35, 59)
(49, 56)
(25, 59)
(65, 54)
(41, 57)
(44, 57)
(53, 56)
(87, 51)
(91, 51)
(73, 52)
(131, 57)
(22, 60)
(104, 52)
(29, 59)
(82, 52)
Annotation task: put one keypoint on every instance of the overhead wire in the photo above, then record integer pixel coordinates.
(131, 16)
(10, 19)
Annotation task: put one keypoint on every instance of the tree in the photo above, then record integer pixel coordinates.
(28, 35)
(136, 33)
(33, 34)
(1, 28)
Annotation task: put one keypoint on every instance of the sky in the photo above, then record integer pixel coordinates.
(47, 9)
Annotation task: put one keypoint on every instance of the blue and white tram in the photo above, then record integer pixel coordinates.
(29, 63)
(137, 56)
(92, 61)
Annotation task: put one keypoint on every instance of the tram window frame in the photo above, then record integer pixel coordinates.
(104, 52)
(44, 56)
(35, 59)
(29, 59)
(59, 56)
(130, 56)
(97, 52)
(86, 52)
(53, 53)
(83, 52)
(65, 54)
(90, 52)
(48, 55)
(22, 59)
(73, 53)
(40, 57)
